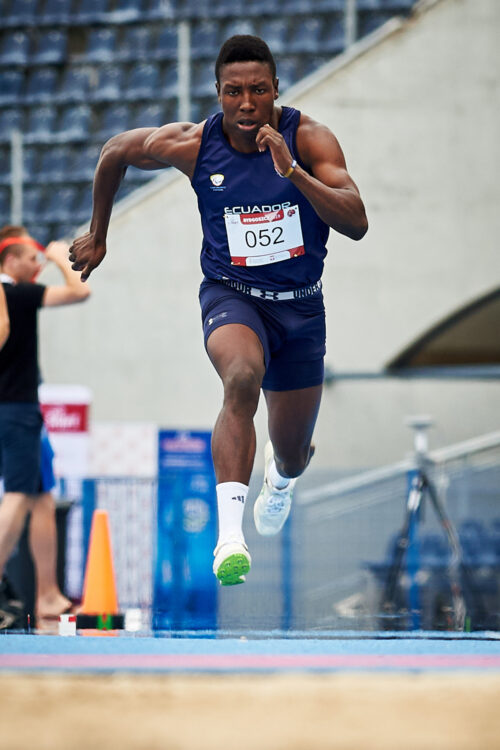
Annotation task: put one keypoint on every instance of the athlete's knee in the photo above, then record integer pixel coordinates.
(292, 461)
(242, 386)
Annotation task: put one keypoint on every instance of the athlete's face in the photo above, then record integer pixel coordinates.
(247, 92)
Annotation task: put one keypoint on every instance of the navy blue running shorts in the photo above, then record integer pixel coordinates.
(292, 332)
(20, 447)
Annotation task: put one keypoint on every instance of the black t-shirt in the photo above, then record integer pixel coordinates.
(19, 356)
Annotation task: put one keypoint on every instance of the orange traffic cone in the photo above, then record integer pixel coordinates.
(100, 601)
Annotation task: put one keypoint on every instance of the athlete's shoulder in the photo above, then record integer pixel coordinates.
(310, 128)
(181, 132)
(176, 144)
(314, 138)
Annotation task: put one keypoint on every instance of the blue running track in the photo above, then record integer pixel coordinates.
(105, 653)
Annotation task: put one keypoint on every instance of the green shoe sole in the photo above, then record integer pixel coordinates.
(233, 570)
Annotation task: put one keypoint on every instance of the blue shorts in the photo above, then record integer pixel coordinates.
(292, 332)
(20, 447)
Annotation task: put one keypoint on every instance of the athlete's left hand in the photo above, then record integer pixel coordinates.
(268, 137)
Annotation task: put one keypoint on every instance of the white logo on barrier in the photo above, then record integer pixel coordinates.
(196, 515)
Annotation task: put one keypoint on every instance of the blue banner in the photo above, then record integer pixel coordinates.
(185, 592)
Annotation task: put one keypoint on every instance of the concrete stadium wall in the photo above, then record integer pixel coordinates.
(417, 116)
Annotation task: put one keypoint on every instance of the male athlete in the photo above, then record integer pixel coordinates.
(270, 183)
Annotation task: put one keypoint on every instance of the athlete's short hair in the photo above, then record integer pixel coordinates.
(244, 48)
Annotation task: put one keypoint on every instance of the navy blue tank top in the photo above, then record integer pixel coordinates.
(258, 228)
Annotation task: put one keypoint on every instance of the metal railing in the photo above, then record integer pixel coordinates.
(344, 533)
(326, 569)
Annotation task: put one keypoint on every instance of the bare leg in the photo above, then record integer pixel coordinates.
(13, 511)
(237, 355)
(291, 419)
(43, 544)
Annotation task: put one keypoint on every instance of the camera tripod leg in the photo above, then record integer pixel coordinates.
(457, 564)
(412, 507)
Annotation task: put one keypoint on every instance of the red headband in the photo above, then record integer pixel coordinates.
(20, 241)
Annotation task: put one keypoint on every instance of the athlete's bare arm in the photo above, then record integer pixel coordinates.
(175, 144)
(331, 191)
(4, 318)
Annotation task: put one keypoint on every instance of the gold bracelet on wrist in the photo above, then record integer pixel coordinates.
(289, 171)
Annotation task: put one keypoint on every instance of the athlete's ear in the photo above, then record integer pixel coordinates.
(217, 86)
(276, 87)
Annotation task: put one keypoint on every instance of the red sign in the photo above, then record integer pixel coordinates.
(65, 417)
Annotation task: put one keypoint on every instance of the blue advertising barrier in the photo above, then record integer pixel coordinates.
(185, 593)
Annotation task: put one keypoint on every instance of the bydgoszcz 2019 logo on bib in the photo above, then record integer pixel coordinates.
(258, 239)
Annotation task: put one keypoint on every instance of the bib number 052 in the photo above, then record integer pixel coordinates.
(262, 238)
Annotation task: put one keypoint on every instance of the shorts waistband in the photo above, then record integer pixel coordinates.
(296, 294)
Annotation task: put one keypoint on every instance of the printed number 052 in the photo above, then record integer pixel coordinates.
(264, 238)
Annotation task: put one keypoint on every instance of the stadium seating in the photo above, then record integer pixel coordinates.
(74, 125)
(10, 119)
(82, 206)
(203, 84)
(108, 86)
(238, 26)
(4, 166)
(76, 73)
(168, 87)
(12, 86)
(306, 38)
(136, 44)
(142, 83)
(61, 204)
(33, 205)
(166, 44)
(125, 11)
(20, 12)
(205, 39)
(287, 72)
(91, 11)
(54, 12)
(114, 119)
(41, 124)
(276, 35)
(76, 85)
(84, 163)
(51, 47)
(4, 201)
(42, 85)
(159, 10)
(15, 48)
(101, 45)
(151, 116)
(260, 8)
(54, 165)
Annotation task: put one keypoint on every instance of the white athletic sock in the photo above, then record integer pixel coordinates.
(231, 497)
(275, 477)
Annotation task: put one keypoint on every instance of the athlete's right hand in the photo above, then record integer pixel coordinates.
(86, 253)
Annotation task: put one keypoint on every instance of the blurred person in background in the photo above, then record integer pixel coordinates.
(270, 183)
(26, 489)
(4, 318)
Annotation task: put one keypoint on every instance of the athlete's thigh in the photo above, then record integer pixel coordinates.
(236, 347)
(291, 419)
(234, 332)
